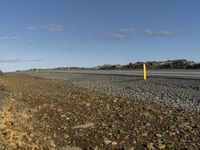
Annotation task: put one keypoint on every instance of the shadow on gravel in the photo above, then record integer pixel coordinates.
(176, 78)
(136, 79)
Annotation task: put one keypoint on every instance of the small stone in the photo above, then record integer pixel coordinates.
(96, 148)
(84, 126)
(67, 118)
(63, 127)
(150, 146)
(198, 125)
(145, 134)
(54, 135)
(161, 146)
(31, 135)
(172, 133)
(63, 116)
(88, 104)
(131, 148)
(59, 110)
(114, 101)
(159, 141)
(52, 143)
(114, 143)
(148, 124)
(66, 136)
(158, 135)
(45, 116)
(107, 141)
(103, 124)
(6, 134)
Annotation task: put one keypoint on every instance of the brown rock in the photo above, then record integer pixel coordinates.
(107, 141)
(114, 143)
(161, 146)
(150, 146)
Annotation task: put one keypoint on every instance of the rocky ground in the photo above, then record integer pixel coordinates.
(38, 113)
(177, 93)
(172, 92)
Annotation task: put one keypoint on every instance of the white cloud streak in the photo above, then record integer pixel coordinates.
(165, 33)
(30, 28)
(18, 60)
(52, 27)
(8, 37)
(117, 36)
(127, 30)
(47, 27)
(121, 34)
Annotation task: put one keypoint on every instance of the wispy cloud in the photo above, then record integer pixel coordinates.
(52, 27)
(18, 60)
(113, 36)
(117, 36)
(127, 30)
(48, 27)
(30, 28)
(8, 37)
(121, 34)
(165, 33)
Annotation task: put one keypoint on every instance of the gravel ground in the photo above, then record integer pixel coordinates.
(177, 93)
(44, 114)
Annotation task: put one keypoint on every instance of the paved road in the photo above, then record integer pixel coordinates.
(182, 74)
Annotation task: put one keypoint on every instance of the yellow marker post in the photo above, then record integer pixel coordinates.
(145, 71)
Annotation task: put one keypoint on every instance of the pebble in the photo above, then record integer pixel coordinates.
(66, 136)
(63, 116)
(52, 143)
(96, 148)
(6, 134)
(158, 135)
(88, 104)
(114, 143)
(114, 101)
(150, 146)
(172, 133)
(145, 134)
(148, 124)
(161, 146)
(107, 141)
(84, 126)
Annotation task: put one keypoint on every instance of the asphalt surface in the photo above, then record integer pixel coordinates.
(180, 74)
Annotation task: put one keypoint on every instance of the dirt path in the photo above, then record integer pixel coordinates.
(48, 114)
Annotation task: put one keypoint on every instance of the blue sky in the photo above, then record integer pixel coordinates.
(53, 33)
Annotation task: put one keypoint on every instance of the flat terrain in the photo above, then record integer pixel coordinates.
(173, 73)
(173, 88)
(38, 113)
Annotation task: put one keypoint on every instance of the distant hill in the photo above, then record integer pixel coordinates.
(169, 64)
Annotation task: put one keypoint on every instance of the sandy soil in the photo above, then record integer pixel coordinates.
(38, 113)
